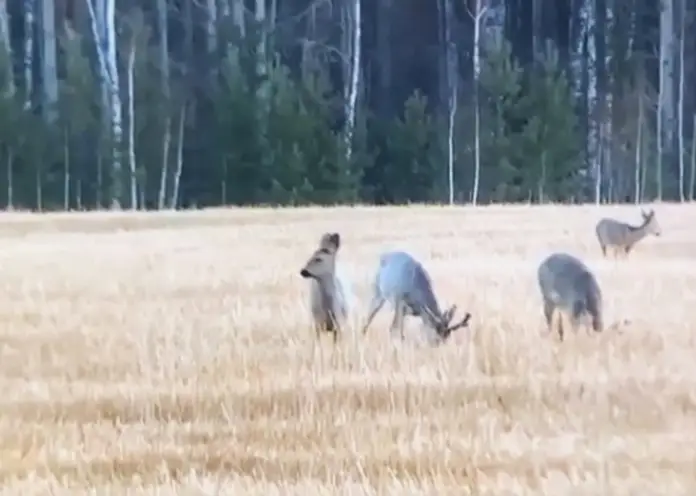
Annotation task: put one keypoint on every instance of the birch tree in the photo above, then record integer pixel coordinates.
(8, 83)
(8, 92)
(49, 72)
(666, 103)
(478, 16)
(452, 79)
(102, 17)
(28, 56)
(680, 101)
(212, 26)
(354, 72)
(166, 95)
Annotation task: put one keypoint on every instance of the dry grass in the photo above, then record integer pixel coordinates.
(171, 353)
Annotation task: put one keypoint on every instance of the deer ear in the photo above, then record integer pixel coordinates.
(330, 241)
(335, 240)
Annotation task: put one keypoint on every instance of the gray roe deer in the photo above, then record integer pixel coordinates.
(404, 282)
(569, 288)
(328, 291)
(620, 237)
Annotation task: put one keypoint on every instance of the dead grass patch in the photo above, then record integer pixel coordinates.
(172, 353)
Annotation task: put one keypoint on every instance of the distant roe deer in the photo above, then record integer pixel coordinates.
(405, 283)
(569, 288)
(621, 237)
(328, 291)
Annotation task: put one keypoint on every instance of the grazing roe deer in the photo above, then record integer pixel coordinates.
(569, 288)
(328, 289)
(620, 237)
(404, 282)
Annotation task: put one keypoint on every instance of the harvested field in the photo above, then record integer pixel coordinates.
(172, 354)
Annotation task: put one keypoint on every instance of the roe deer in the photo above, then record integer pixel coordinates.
(568, 287)
(405, 283)
(621, 237)
(328, 289)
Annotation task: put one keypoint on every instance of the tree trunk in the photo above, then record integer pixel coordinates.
(165, 86)
(131, 125)
(29, 7)
(680, 100)
(9, 84)
(665, 121)
(639, 144)
(104, 32)
(355, 62)
(48, 61)
(692, 174)
(478, 17)
(179, 159)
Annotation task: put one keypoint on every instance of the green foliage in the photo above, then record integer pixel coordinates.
(278, 135)
(530, 141)
(548, 147)
(410, 153)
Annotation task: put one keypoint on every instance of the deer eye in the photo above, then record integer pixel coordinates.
(317, 260)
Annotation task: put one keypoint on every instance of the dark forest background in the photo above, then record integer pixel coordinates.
(192, 103)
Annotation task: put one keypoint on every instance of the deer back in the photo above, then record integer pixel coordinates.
(402, 278)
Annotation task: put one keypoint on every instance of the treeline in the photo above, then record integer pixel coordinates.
(178, 103)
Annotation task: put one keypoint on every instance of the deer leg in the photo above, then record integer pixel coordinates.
(375, 306)
(332, 326)
(604, 250)
(548, 314)
(558, 323)
(398, 321)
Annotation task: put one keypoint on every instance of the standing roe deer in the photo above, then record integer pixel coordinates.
(568, 287)
(405, 283)
(328, 289)
(621, 237)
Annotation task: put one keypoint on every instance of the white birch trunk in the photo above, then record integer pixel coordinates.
(450, 140)
(164, 68)
(599, 164)
(9, 88)
(666, 105)
(211, 26)
(680, 101)
(355, 63)
(179, 159)
(104, 31)
(48, 61)
(29, 7)
(639, 145)
(10, 180)
(66, 172)
(451, 78)
(261, 56)
(131, 125)
(115, 101)
(478, 16)
(692, 174)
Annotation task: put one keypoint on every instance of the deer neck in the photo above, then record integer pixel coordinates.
(327, 289)
(431, 311)
(636, 233)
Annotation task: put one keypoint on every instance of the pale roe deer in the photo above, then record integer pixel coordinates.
(620, 237)
(328, 288)
(569, 288)
(404, 282)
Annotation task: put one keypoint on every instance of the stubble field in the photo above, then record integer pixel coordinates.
(172, 354)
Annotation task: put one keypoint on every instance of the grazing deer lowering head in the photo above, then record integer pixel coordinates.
(327, 290)
(404, 282)
(569, 288)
